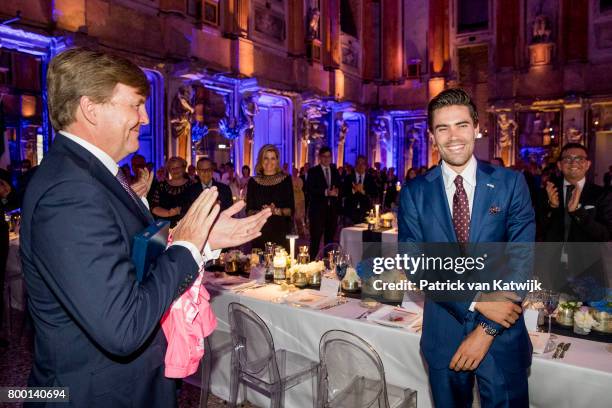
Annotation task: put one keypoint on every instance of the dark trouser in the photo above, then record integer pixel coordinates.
(4, 249)
(323, 223)
(497, 387)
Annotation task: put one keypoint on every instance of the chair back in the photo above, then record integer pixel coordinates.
(348, 365)
(253, 346)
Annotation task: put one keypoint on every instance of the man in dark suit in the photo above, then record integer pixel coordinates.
(574, 210)
(361, 191)
(204, 169)
(322, 187)
(97, 329)
(467, 201)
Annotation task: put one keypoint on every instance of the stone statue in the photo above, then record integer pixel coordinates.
(507, 130)
(412, 135)
(249, 109)
(541, 29)
(304, 138)
(180, 119)
(342, 131)
(314, 15)
(573, 134)
(380, 134)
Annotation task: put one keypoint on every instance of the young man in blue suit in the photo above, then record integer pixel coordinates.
(97, 328)
(463, 200)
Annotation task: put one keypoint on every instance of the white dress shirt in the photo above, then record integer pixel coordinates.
(579, 185)
(469, 182)
(113, 168)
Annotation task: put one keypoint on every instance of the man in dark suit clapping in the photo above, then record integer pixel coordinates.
(97, 329)
(574, 210)
(204, 169)
(323, 189)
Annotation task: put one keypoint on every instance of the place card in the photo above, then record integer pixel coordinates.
(329, 287)
(531, 319)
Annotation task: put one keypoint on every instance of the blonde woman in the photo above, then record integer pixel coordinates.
(271, 188)
(170, 200)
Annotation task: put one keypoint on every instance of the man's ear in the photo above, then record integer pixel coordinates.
(88, 109)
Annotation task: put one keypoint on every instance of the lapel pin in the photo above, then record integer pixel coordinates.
(494, 210)
(490, 185)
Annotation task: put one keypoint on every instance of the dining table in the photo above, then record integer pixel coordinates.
(582, 378)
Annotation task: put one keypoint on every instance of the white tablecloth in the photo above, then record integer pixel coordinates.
(582, 379)
(351, 241)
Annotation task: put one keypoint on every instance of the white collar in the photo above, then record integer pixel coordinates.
(468, 174)
(100, 154)
(580, 183)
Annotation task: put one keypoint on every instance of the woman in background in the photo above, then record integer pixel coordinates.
(271, 188)
(170, 200)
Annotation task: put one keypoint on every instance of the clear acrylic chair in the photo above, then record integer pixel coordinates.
(352, 375)
(258, 365)
(215, 346)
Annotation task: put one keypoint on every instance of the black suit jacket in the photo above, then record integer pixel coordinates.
(97, 329)
(358, 204)
(592, 222)
(316, 186)
(224, 197)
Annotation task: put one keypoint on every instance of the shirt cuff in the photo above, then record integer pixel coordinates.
(197, 257)
(209, 254)
(473, 304)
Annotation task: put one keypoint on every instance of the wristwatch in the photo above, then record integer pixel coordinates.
(489, 329)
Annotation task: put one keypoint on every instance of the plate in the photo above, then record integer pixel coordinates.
(309, 298)
(394, 317)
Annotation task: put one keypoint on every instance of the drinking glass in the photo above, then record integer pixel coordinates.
(550, 300)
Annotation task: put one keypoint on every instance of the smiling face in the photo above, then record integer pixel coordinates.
(119, 122)
(574, 164)
(269, 163)
(454, 134)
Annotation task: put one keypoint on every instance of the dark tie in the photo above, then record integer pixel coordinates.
(126, 186)
(327, 179)
(461, 211)
(567, 221)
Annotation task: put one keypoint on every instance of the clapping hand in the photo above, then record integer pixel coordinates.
(553, 195)
(143, 185)
(196, 224)
(230, 232)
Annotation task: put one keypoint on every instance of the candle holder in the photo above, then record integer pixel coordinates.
(303, 256)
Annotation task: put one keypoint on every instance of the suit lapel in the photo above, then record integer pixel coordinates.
(439, 203)
(483, 196)
(101, 173)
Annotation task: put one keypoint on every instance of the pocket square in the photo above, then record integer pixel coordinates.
(494, 210)
(589, 207)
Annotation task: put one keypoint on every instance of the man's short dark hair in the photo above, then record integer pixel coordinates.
(324, 149)
(204, 160)
(568, 146)
(451, 97)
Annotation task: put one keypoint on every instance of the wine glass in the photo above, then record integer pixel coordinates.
(550, 300)
(343, 261)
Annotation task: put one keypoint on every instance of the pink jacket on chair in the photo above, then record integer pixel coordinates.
(188, 322)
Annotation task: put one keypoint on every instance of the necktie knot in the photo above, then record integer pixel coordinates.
(459, 182)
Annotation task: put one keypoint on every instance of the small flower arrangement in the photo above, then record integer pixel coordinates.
(583, 321)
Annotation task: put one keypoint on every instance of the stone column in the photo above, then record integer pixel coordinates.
(392, 49)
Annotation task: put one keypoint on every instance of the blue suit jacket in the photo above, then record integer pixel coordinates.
(97, 329)
(424, 216)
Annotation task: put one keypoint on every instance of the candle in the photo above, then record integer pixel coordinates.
(377, 209)
(292, 239)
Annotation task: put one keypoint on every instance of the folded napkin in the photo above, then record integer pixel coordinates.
(539, 341)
